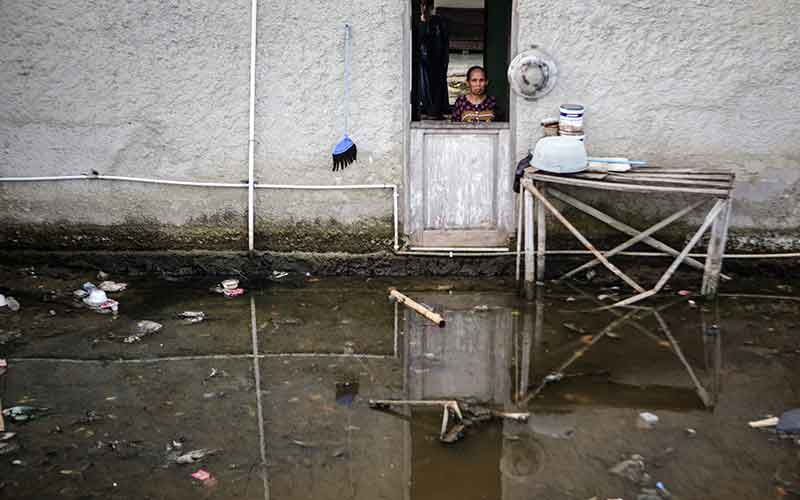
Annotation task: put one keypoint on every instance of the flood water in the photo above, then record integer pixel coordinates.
(320, 349)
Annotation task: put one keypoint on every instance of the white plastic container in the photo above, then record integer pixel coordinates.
(570, 119)
(230, 284)
(96, 297)
(3, 302)
(560, 155)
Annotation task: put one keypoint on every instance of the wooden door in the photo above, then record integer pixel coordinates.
(459, 185)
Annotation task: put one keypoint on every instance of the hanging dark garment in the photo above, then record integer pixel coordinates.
(434, 56)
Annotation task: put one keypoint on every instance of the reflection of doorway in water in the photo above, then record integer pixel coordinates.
(469, 358)
(468, 469)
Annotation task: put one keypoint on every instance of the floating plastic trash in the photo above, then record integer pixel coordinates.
(230, 284)
(346, 392)
(789, 421)
(111, 286)
(96, 297)
(201, 475)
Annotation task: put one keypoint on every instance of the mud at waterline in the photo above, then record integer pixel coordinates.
(120, 413)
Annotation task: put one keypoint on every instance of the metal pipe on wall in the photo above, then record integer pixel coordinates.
(395, 210)
(344, 187)
(251, 135)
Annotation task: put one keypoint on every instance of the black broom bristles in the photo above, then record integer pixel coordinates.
(345, 157)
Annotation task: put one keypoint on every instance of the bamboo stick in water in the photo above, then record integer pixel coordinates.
(415, 306)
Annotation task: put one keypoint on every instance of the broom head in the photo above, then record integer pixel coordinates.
(344, 153)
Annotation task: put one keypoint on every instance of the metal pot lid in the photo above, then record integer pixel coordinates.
(532, 74)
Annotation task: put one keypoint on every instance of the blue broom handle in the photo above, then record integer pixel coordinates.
(347, 57)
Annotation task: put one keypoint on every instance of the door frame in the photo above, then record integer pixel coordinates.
(406, 110)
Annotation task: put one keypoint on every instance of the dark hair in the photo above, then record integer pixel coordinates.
(474, 68)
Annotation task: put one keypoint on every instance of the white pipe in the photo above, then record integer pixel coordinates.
(326, 187)
(122, 178)
(696, 255)
(159, 181)
(251, 136)
(794, 255)
(453, 254)
(201, 183)
(459, 249)
(249, 185)
(394, 216)
(50, 178)
(395, 210)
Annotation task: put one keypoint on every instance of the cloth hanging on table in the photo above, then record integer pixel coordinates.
(520, 172)
(433, 40)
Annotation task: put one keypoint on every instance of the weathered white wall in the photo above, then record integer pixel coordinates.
(300, 96)
(148, 89)
(160, 89)
(709, 83)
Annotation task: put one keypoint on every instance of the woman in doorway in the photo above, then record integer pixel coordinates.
(475, 106)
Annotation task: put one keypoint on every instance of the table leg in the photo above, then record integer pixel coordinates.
(541, 238)
(716, 251)
(519, 232)
(529, 247)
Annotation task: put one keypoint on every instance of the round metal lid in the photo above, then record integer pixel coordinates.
(532, 74)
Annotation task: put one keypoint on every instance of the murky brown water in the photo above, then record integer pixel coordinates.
(665, 358)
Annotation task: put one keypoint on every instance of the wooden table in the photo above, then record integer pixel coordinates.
(713, 187)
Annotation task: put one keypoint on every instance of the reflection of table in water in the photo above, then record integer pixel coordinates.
(490, 354)
(664, 338)
(713, 185)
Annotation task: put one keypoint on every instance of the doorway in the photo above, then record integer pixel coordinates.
(458, 175)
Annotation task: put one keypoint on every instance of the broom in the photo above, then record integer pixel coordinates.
(344, 152)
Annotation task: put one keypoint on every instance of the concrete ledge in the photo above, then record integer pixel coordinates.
(261, 264)
(197, 263)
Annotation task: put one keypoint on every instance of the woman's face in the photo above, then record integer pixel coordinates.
(477, 82)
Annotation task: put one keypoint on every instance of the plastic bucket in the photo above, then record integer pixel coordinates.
(574, 135)
(570, 119)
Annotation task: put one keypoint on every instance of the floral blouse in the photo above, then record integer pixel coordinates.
(465, 111)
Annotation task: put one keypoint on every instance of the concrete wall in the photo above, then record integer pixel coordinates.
(683, 83)
(160, 89)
